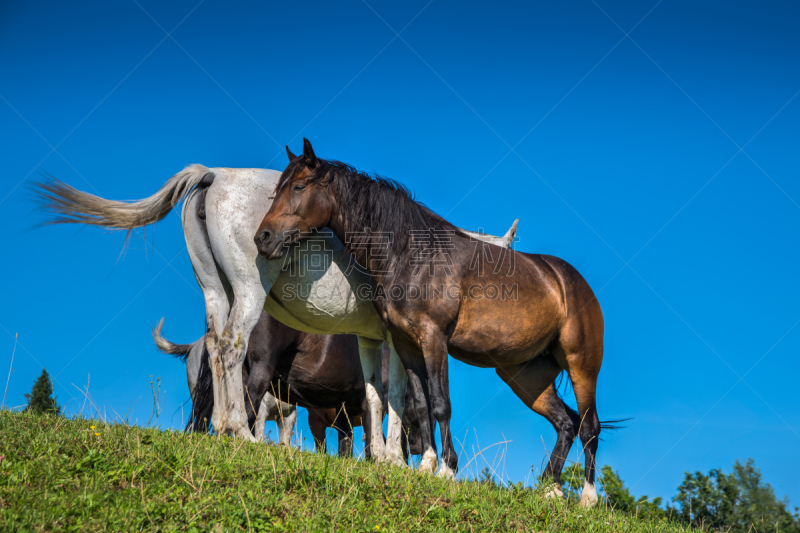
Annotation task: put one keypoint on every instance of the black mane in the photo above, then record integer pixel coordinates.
(371, 206)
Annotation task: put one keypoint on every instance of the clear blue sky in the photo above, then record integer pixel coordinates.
(664, 166)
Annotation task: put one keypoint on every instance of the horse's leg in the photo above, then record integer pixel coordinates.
(581, 354)
(412, 436)
(398, 380)
(418, 386)
(233, 341)
(262, 355)
(370, 352)
(366, 423)
(230, 213)
(565, 420)
(255, 395)
(218, 306)
(318, 423)
(345, 431)
(434, 346)
(216, 299)
(585, 385)
(287, 417)
(406, 425)
(533, 383)
(265, 411)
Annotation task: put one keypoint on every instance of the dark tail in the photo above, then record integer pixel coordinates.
(561, 383)
(203, 398)
(613, 425)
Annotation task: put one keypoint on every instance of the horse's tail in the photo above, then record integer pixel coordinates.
(181, 351)
(612, 425)
(203, 398)
(68, 204)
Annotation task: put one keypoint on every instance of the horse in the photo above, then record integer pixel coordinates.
(439, 291)
(321, 419)
(313, 374)
(309, 370)
(222, 210)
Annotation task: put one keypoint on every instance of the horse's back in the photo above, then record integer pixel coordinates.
(237, 200)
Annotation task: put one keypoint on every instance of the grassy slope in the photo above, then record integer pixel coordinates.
(58, 474)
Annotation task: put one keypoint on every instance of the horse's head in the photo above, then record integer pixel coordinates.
(302, 203)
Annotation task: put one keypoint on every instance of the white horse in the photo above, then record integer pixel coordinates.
(272, 409)
(321, 293)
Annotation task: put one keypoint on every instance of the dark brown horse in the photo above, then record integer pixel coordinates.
(528, 316)
(319, 372)
(320, 420)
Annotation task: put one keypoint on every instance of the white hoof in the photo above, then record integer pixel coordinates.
(394, 460)
(446, 472)
(589, 496)
(555, 492)
(245, 433)
(429, 462)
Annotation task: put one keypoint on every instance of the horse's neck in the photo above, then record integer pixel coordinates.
(361, 254)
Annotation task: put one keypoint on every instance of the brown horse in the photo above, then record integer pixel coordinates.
(320, 420)
(528, 316)
(319, 372)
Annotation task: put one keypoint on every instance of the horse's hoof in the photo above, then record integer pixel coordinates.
(589, 496)
(242, 432)
(394, 460)
(429, 462)
(555, 492)
(446, 472)
(246, 435)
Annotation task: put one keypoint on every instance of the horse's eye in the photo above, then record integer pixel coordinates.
(297, 188)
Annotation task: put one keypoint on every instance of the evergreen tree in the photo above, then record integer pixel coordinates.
(41, 399)
(486, 477)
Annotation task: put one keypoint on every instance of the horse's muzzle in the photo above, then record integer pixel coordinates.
(266, 243)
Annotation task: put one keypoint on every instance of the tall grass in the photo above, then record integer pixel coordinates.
(60, 474)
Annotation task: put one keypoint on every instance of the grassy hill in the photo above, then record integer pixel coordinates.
(59, 474)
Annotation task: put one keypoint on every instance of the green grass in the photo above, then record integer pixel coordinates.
(59, 474)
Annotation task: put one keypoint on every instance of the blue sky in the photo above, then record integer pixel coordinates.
(663, 165)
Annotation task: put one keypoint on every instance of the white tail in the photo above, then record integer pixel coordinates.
(68, 204)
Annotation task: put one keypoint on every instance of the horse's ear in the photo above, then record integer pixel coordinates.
(311, 159)
(292, 157)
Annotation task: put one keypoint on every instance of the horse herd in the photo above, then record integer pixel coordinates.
(337, 291)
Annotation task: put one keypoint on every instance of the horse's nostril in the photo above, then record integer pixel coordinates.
(264, 236)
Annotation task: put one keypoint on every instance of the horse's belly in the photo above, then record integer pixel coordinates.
(477, 352)
(309, 397)
(502, 333)
(316, 296)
